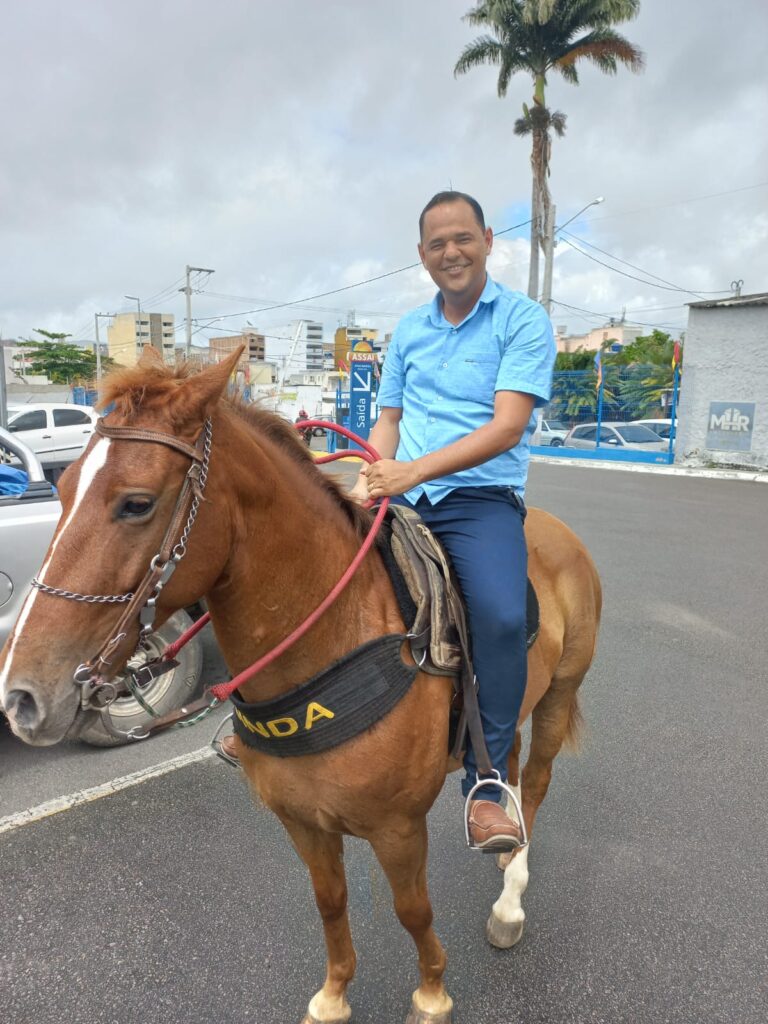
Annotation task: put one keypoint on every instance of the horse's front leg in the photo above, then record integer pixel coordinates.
(402, 853)
(323, 853)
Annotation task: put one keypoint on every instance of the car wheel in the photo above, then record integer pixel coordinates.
(172, 690)
(319, 431)
(556, 442)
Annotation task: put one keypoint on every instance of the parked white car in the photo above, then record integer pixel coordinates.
(553, 433)
(660, 427)
(616, 435)
(56, 433)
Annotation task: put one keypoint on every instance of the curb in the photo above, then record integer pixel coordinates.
(629, 467)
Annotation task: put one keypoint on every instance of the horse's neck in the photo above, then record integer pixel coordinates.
(279, 570)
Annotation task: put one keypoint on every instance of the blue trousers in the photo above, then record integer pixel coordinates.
(481, 528)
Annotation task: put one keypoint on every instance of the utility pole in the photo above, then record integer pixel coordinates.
(550, 231)
(188, 292)
(98, 346)
(549, 258)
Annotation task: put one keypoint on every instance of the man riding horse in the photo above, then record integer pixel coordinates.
(460, 383)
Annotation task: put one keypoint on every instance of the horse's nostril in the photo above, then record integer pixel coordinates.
(23, 706)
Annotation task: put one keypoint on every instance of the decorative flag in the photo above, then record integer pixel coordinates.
(676, 356)
(343, 367)
(599, 369)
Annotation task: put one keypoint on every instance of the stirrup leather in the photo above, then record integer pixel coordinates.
(216, 744)
(489, 780)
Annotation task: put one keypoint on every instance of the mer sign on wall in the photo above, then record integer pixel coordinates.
(730, 425)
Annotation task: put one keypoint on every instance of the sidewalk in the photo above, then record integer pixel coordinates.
(753, 476)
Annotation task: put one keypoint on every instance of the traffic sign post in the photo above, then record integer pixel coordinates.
(360, 387)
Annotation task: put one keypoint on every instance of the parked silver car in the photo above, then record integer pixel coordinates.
(27, 524)
(616, 435)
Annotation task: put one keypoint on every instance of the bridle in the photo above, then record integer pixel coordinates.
(96, 693)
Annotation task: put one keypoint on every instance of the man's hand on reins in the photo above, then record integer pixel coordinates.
(387, 477)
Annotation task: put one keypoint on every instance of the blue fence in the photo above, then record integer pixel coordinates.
(624, 414)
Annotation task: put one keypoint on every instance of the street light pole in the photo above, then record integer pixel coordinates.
(98, 347)
(549, 249)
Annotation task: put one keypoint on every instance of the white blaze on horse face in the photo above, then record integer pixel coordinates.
(93, 463)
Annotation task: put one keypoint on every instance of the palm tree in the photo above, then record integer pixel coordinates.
(539, 36)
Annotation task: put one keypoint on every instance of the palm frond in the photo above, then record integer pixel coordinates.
(483, 50)
(604, 48)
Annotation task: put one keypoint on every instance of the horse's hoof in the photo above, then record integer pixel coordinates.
(417, 1016)
(327, 1011)
(503, 934)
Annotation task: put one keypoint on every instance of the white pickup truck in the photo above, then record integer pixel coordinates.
(27, 523)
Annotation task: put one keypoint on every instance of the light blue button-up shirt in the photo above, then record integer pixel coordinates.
(444, 377)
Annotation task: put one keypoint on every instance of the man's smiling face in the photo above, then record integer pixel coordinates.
(454, 249)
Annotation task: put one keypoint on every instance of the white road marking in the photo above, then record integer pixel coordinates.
(85, 796)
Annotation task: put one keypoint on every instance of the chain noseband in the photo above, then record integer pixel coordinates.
(96, 692)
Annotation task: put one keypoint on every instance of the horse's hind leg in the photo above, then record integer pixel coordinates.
(553, 720)
(402, 853)
(323, 853)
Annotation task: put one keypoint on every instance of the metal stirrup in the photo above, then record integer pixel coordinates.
(217, 745)
(489, 780)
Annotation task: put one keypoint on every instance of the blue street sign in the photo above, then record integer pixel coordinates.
(360, 387)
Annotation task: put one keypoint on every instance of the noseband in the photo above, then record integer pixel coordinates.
(96, 692)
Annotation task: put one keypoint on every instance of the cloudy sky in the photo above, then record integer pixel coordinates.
(291, 146)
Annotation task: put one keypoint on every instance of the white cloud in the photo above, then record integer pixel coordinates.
(292, 147)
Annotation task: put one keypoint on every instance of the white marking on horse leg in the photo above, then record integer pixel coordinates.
(93, 463)
(325, 1009)
(503, 859)
(505, 925)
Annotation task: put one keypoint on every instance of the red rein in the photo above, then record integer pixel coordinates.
(222, 690)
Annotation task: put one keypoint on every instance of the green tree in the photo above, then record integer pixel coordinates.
(656, 347)
(581, 359)
(536, 37)
(62, 363)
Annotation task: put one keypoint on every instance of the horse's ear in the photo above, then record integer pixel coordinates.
(198, 394)
(150, 357)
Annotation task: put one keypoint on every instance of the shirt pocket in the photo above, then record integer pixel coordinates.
(477, 379)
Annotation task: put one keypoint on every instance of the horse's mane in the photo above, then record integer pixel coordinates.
(148, 386)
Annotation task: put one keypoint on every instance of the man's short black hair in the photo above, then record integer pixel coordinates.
(452, 197)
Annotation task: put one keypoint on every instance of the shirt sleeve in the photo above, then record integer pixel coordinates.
(390, 395)
(529, 354)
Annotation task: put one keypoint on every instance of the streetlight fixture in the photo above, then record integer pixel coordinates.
(549, 250)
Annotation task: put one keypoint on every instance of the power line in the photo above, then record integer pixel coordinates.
(608, 316)
(633, 277)
(681, 202)
(348, 287)
(720, 291)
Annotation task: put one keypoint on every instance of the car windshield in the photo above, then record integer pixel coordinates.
(556, 425)
(635, 433)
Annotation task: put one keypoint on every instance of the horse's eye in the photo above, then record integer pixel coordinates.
(134, 507)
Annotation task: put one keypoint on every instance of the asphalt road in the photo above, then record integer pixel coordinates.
(178, 901)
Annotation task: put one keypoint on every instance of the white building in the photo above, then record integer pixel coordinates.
(723, 414)
(298, 346)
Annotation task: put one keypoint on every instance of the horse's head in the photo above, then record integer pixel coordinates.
(118, 502)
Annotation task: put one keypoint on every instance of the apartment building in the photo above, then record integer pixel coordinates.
(130, 333)
(254, 352)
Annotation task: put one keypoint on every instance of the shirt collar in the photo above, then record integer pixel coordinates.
(489, 293)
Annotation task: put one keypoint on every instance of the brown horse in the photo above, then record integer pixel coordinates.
(272, 536)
